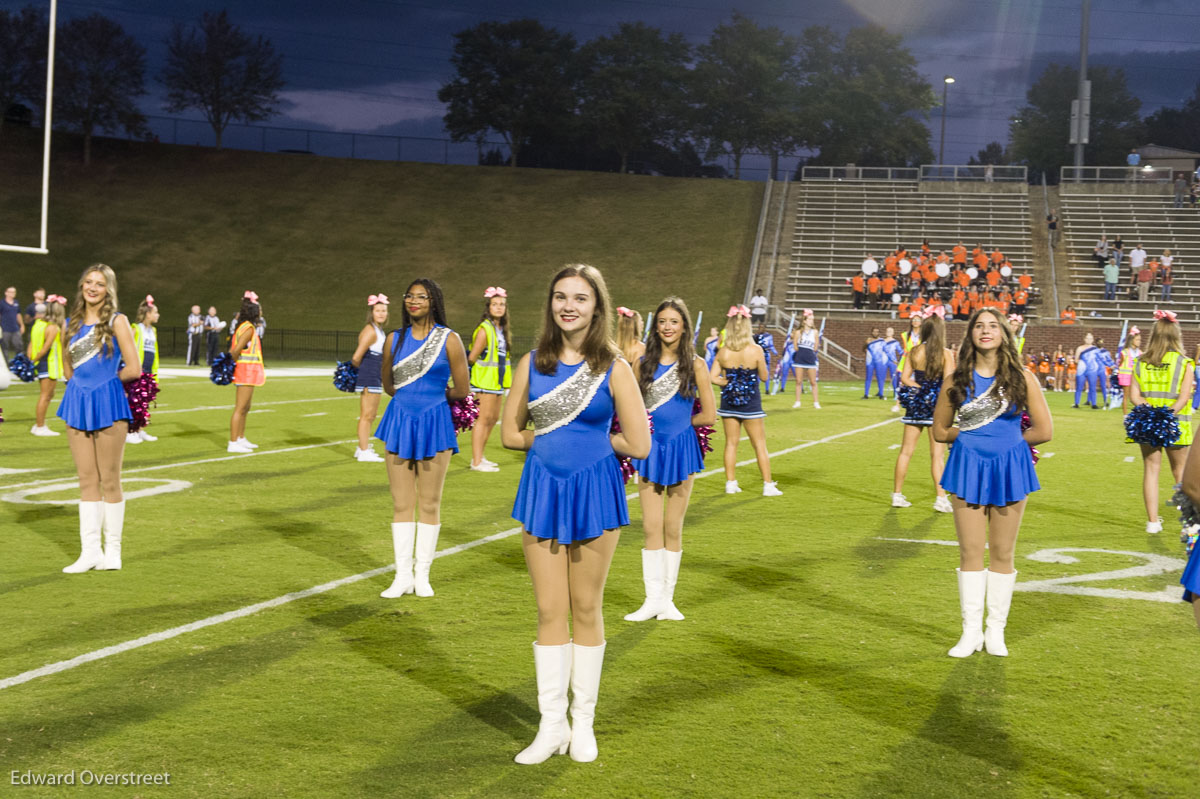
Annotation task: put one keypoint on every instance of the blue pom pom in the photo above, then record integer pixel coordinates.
(741, 387)
(919, 402)
(345, 376)
(1152, 425)
(23, 368)
(222, 369)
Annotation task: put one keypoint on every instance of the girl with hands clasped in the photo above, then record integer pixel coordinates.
(990, 470)
(368, 360)
(45, 350)
(491, 372)
(97, 414)
(248, 372)
(739, 366)
(672, 379)
(417, 429)
(571, 498)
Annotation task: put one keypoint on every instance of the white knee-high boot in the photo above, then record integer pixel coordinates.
(114, 527)
(972, 586)
(553, 667)
(999, 599)
(670, 577)
(653, 569)
(427, 536)
(585, 688)
(402, 546)
(91, 556)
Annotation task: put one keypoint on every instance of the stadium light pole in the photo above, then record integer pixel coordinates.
(946, 81)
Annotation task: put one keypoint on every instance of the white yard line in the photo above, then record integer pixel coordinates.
(248, 610)
(256, 405)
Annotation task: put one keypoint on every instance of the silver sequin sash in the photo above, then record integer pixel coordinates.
(84, 348)
(564, 402)
(414, 366)
(983, 410)
(663, 389)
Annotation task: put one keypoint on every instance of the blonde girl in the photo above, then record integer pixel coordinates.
(739, 366)
(806, 342)
(368, 359)
(45, 350)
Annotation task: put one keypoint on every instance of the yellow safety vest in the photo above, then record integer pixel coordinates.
(1020, 344)
(910, 340)
(1128, 359)
(139, 341)
(37, 340)
(485, 373)
(1160, 384)
(253, 351)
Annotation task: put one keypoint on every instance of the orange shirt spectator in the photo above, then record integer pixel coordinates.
(960, 254)
(962, 278)
(888, 285)
(856, 283)
(993, 278)
(929, 273)
(980, 260)
(997, 257)
(1005, 296)
(918, 304)
(1154, 266)
(1025, 281)
(1044, 366)
(1068, 316)
(1020, 298)
(943, 258)
(904, 310)
(955, 301)
(925, 248)
(891, 264)
(873, 284)
(901, 252)
(960, 295)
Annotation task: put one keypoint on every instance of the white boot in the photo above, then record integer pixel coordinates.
(999, 599)
(144, 436)
(133, 438)
(114, 526)
(670, 577)
(427, 536)
(402, 546)
(553, 667)
(91, 517)
(653, 569)
(585, 688)
(972, 586)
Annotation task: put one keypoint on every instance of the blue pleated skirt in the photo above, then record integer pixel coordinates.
(1191, 576)
(577, 506)
(94, 408)
(989, 470)
(417, 435)
(672, 460)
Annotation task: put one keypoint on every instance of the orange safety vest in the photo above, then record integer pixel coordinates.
(249, 369)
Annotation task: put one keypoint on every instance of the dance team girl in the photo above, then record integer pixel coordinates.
(368, 360)
(739, 366)
(925, 368)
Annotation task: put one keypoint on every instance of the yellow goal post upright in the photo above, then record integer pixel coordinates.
(41, 249)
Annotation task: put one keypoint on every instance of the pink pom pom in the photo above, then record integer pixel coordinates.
(140, 393)
(627, 468)
(464, 412)
(704, 432)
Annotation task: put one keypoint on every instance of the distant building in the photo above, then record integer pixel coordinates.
(1171, 158)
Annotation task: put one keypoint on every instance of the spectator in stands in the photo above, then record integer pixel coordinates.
(1052, 227)
(212, 334)
(1025, 281)
(1145, 277)
(858, 287)
(960, 256)
(758, 308)
(1181, 189)
(1067, 317)
(1117, 249)
(1100, 252)
(1195, 195)
(39, 298)
(1137, 258)
(888, 286)
(1131, 289)
(874, 285)
(1168, 278)
(1112, 275)
(1133, 159)
(12, 324)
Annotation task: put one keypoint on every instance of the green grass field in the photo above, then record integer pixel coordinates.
(812, 662)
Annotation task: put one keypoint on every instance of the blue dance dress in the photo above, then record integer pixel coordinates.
(417, 423)
(571, 487)
(1191, 577)
(989, 463)
(675, 449)
(94, 398)
(739, 397)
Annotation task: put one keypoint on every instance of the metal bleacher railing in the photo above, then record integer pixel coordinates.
(927, 172)
(1115, 174)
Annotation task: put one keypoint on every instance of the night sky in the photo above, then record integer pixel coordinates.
(374, 66)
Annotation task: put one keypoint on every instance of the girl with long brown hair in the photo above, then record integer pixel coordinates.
(248, 372)
(571, 499)
(368, 359)
(629, 334)
(45, 350)
(97, 413)
(672, 379)
(925, 367)
(491, 371)
(990, 470)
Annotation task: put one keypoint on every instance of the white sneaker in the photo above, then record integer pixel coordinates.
(816, 406)
(484, 466)
(796, 404)
(731, 487)
(898, 501)
(771, 490)
(1154, 527)
(236, 447)
(367, 456)
(489, 463)
(895, 409)
(43, 431)
(246, 443)
(942, 505)
(144, 436)
(133, 438)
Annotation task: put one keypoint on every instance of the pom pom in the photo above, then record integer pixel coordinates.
(919, 402)
(140, 393)
(1, 416)
(1189, 517)
(464, 411)
(222, 369)
(1152, 425)
(626, 462)
(345, 375)
(740, 389)
(23, 368)
(1027, 423)
(704, 432)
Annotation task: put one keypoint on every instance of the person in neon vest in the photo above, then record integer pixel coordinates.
(248, 373)
(145, 339)
(45, 350)
(491, 372)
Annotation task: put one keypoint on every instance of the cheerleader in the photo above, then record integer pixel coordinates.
(990, 470)
(1060, 367)
(491, 372)
(925, 367)
(672, 379)
(368, 359)
(1125, 364)
(45, 350)
(629, 334)
(571, 501)
(739, 365)
(145, 340)
(908, 339)
(417, 429)
(246, 349)
(805, 343)
(97, 414)
(1191, 573)
(1163, 377)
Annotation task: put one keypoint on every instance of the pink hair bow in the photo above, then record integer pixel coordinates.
(1168, 315)
(149, 299)
(935, 310)
(250, 295)
(738, 310)
(377, 299)
(809, 312)
(623, 311)
(1016, 318)
(1134, 331)
(494, 291)
(61, 300)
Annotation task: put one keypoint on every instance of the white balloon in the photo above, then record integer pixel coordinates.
(1006, 270)
(896, 298)
(943, 270)
(870, 266)
(905, 266)
(972, 272)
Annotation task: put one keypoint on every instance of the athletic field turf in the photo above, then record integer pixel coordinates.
(812, 661)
